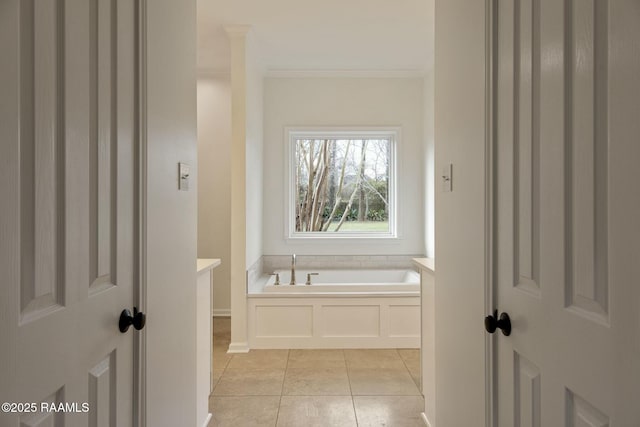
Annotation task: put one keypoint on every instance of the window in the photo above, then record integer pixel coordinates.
(341, 183)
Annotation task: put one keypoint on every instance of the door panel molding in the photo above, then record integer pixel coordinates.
(526, 146)
(37, 419)
(102, 392)
(42, 165)
(526, 392)
(103, 126)
(587, 158)
(579, 412)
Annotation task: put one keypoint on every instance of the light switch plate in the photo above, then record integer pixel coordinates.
(447, 178)
(183, 177)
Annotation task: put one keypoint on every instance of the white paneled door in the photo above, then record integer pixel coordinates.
(68, 251)
(567, 212)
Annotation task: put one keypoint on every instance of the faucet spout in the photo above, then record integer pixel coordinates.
(293, 269)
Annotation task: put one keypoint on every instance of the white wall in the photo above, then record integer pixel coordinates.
(254, 153)
(346, 101)
(460, 215)
(429, 162)
(171, 229)
(214, 180)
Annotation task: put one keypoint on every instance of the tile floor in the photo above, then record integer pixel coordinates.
(307, 388)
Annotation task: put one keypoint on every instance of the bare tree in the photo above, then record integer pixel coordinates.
(338, 197)
(362, 208)
(316, 160)
(356, 187)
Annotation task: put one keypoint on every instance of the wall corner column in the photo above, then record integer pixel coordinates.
(237, 37)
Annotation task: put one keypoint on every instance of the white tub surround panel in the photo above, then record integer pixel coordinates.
(204, 334)
(341, 309)
(427, 355)
(347, 321)
(356, 301)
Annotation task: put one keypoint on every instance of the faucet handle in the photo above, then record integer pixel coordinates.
(309, 277)
(277, 281)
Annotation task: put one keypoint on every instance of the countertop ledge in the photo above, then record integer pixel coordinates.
(425, 264)
(206, 264)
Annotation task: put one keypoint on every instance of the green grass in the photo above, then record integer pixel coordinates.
(380, 226)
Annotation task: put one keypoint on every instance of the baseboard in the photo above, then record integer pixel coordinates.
(207, 420)
(425, 420)
(221, 312)
(240, 347)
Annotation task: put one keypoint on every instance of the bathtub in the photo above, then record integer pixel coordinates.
(340, 309)
(347, 281)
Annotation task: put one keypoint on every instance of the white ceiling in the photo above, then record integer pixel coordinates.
(378, 35)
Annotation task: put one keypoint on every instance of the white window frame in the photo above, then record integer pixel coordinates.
(294, 133)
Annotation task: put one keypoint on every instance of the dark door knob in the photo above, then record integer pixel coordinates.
(492, 322)
(138, 320)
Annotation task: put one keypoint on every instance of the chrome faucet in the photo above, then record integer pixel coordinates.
(293, 269)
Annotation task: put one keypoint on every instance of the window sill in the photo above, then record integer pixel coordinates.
(323, 236)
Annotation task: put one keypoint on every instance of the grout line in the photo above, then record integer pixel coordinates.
(355, 413)
(346, 366)
(411, 375)
(404, 362)
(284, 377)
(353, 403)
(247, 395)
(224, 368)
(317, 395)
